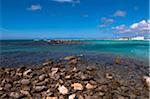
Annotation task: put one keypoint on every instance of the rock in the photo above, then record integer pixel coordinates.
(80, 97)
(50, 97)
(72, 96)
(26, 93)
(39, 88)
(54, 70)
(69, 58)
(77, 86)
(117, 60)
(146, 80)
(1, 88)
(67, 77)
(47, 63)
(74, 69)
(27, 73)
(73, 61)
(7, 86)
(63, 90)
(42, 77)
(89, 86)
(109, 76)
(25, 81)
(14, 95)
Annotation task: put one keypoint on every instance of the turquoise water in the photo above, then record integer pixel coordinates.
(135, 49)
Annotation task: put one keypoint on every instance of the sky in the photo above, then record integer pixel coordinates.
(100, 19)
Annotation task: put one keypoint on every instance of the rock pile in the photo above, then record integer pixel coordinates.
(53, 80)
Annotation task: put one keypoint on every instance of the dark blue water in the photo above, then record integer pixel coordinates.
(20, 49)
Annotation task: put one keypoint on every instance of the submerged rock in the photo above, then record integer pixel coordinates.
(69, 58)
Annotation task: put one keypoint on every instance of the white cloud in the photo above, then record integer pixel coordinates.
(120, 13)
(67, 1)
(35, 7)
(139, 27)
(106, 22)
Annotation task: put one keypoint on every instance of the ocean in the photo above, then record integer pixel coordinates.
(18, 52)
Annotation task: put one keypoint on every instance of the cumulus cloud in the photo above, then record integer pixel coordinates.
(139, 27)
(120, 13)
(67, 1)
(35, 7)
(106, 22)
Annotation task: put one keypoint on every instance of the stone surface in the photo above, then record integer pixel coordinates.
(77, 86)
(63, 90)
(25, 81)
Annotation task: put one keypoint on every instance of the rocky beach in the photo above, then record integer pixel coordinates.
(72, 77)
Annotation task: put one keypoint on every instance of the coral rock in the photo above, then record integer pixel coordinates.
(77, 86)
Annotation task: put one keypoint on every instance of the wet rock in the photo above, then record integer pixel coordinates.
(77, 86)
(42, 77)
(69, 58)
(27, 73)
(90, 86)
(39, 88)
(47, 63)
(72, 96)
(14, 95)
(25, 81)
(63, 90)
(73, 61)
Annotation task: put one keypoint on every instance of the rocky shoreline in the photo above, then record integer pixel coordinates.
(64, 42)
(70, 78)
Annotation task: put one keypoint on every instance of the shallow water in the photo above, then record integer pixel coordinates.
(28, 51)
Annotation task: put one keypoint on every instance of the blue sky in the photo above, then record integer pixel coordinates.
(27, 19)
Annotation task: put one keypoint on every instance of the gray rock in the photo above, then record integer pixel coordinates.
(25, 81)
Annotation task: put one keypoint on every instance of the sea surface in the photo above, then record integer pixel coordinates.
(19, 52)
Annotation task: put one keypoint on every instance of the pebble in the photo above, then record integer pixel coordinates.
(109, 76)
(89, 86)
(63, 90)
(39, 88)
(146, 79)
(42, 77)
(72, 96)
(77, 86)
(25, 81)
(14, 95)
(50, 97)
(27, 73)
